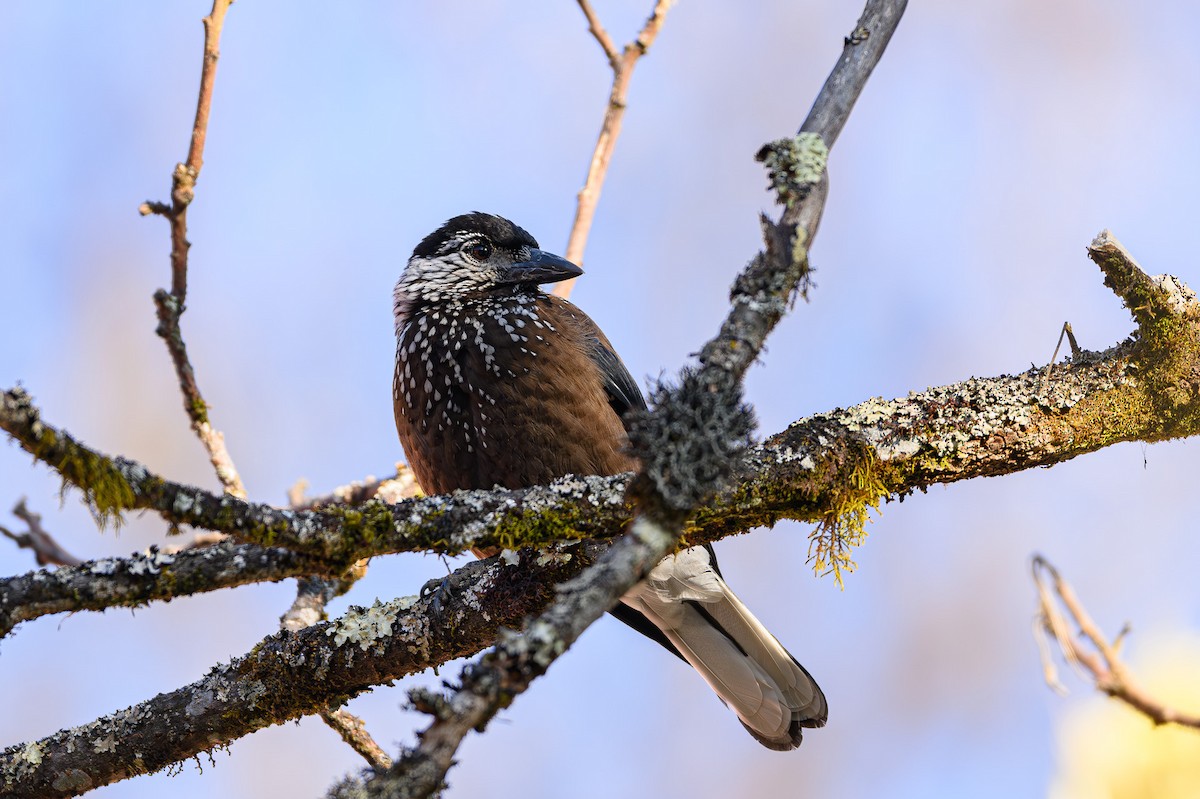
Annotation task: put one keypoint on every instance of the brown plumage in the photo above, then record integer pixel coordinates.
(498, 383)
(470, 427)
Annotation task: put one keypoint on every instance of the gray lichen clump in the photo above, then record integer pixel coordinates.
(691, 442)
(795, 165)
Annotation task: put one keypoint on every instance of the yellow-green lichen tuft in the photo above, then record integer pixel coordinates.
(844, 526)
(106, 492)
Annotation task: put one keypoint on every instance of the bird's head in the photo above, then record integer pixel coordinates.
(473, 255)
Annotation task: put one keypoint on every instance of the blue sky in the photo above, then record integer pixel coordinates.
(992, 144)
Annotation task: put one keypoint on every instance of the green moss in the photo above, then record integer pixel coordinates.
(534, 529)
(199, 410)
(1167, 359)
(106, 492)
(361, 527)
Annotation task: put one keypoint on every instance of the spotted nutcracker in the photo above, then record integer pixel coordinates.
(499, 383)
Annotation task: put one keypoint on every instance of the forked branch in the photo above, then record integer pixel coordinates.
(1063, 618)
(622, 63)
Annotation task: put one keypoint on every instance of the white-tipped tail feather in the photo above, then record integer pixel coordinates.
(771, 693)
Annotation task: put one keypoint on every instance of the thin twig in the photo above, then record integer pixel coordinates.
(1068, 333)
(622, 64)
(171, 305)
(1103, 666)
(597, 30)
(46, 550)
(400, 486)
(354, 732)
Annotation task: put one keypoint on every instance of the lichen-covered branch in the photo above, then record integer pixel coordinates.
(1103, 665)
(142, 578)
(821, 469)
(1138, 390)
(287, 676)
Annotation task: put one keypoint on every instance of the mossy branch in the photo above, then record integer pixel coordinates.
(1143, 389)
(829, 469)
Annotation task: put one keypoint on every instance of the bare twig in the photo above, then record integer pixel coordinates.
(354, 732)
(1076, 351)
(622, 64)
(171, 305)
(46, 550)
(400, 486)
(1103, 665)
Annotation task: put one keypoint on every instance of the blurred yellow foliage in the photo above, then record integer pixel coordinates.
(1106, 750)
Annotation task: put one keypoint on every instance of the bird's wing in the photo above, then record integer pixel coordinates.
(687, 600)
(622, 390)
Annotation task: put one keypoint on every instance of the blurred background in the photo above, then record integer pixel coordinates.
(994, 141)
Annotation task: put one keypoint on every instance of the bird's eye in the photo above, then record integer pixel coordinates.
(478, 250)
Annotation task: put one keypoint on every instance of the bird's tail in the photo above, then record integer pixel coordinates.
(695, 614)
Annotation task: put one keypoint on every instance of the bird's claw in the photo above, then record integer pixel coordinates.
(438, 592)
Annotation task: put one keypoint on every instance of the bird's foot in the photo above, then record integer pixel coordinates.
(437, 592)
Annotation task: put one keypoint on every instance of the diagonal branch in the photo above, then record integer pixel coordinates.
(622, 64)
(686, 445)
(1103, 665)
(171, 305)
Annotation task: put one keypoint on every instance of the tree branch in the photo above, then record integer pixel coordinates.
(46, 551)
(980, 427)
(610, 129)
(285, 677)
(1140, 390)
(171, 305)
(1103, 666)
(141, 578)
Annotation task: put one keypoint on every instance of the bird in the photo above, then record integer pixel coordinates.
(498, 383)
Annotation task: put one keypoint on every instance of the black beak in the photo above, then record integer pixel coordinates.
(541, 267)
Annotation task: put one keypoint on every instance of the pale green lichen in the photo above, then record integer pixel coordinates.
(365, 626)
(106, 744)
(32, 753)
(795, 165)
